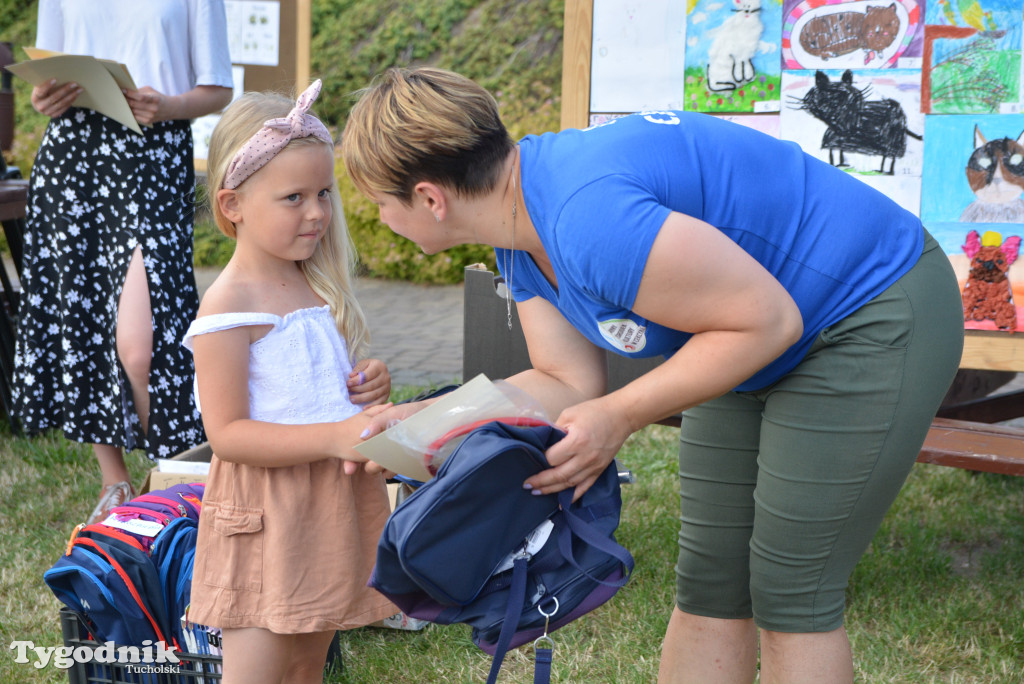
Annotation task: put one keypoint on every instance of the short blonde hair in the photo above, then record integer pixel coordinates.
(329, 269)
(424, 124)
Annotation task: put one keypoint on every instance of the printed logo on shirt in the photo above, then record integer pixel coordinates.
(623, 334)
(669, 118)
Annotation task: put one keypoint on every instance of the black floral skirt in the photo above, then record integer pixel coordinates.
(97, 191)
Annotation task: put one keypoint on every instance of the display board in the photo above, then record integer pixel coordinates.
(269, 45)
(928, 96)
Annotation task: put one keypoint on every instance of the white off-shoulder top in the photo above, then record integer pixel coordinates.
(297, 371)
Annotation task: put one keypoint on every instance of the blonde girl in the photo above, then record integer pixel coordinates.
(288, 533)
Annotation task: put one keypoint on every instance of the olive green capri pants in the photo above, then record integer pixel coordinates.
(783, 488)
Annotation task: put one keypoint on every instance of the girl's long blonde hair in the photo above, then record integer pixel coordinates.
(329, 270)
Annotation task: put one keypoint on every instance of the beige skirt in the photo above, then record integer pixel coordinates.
(289, 549)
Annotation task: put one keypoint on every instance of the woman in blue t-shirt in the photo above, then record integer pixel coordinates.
(810, 328)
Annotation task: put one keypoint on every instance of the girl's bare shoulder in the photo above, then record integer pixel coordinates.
(229, 293)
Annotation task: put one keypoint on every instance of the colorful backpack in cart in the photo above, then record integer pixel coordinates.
(108, 580)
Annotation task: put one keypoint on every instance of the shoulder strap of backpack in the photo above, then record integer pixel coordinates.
(101, 530)
(85, 541)
(575, 525)
(516, 598)
(174, 508)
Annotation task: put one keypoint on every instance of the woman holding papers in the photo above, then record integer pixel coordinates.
(810, 328)
(108, 286)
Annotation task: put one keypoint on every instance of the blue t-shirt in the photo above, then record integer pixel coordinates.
(598, 198)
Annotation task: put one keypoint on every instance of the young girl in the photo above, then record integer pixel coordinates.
(288, 534)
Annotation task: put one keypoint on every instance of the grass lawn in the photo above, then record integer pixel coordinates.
(938, 598)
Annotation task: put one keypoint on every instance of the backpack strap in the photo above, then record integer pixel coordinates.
(542, 664)
(85, 541)
(583, 530)
(513, 611)
(516, 598)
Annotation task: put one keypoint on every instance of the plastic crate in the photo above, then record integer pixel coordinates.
(192, 668)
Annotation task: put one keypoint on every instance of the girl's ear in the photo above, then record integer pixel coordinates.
(431, 197)
(230, 207)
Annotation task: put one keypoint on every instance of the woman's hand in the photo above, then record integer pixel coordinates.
(369, 383)
(150, 106)
(52, 100)
(595, 431)
(353, 459)
(382, 420)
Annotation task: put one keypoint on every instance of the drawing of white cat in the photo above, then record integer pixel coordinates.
(735, 42)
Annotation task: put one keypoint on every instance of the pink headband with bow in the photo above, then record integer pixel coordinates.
(274, 136)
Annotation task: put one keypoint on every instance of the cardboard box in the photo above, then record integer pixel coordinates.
(188, 466)
(164, 475)
(398, 492)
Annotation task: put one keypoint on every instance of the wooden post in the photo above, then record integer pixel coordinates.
(576, 46)
(303, 38)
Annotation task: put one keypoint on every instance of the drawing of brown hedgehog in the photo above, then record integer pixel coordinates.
(988, 295)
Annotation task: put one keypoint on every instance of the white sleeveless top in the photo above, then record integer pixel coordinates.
(297, 371)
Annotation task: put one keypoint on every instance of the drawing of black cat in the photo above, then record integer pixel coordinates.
(856, 124)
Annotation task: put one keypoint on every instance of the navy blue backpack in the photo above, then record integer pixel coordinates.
(173, 554)
(471, 546)
(109, 581)
(127, 586)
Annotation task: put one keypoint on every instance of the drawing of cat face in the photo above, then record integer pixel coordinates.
(881, 26)
(995, 170)
(746, 6)
(832, 101)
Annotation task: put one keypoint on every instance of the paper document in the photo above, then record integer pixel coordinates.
(170, 465)
(475, 400)
(101, 81)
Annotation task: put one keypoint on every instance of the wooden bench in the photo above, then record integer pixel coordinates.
(974, 446)
(961, 436)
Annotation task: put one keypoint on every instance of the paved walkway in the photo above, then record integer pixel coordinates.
(415, 329)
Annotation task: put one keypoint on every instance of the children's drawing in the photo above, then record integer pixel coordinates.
(731, 55)
(867, 123)
(995, 173)
(638, 55)
(840, 33)
(971, 62)
(602, 119)
(736, 41)
(988, 294)
(972, 182)
(855, 34)
(766, 123)
(973, 173)
(854, 123)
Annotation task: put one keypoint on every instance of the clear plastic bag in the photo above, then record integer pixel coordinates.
(436, 431)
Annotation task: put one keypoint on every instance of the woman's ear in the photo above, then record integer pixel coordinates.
(431, 197)
(227, 201)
